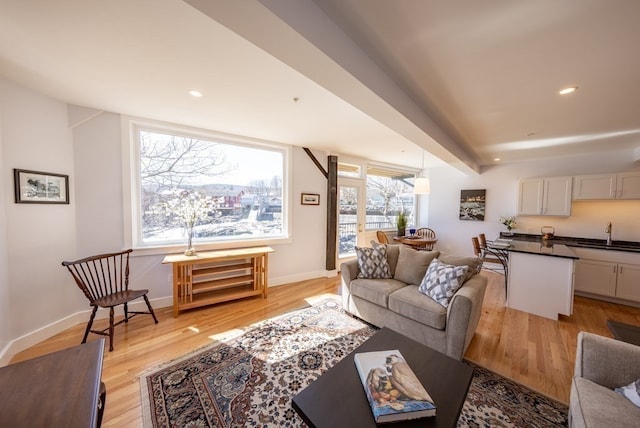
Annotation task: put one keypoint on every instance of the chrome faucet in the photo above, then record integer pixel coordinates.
(608, 230)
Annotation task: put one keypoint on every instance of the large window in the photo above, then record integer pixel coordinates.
(389, 192)
(232, 191)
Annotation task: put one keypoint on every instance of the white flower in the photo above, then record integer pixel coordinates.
(510, 222)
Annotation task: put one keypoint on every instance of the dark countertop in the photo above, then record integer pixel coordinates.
(569, 241)
(538, 247)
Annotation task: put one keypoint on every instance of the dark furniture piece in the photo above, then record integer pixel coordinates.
(337, 398)
(104, 280)
(625, 332)
(61, 389)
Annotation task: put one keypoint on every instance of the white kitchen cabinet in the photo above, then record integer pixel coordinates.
(607, 186)
(608, 273)
(545, 196)
(628, 286)
(597, 277)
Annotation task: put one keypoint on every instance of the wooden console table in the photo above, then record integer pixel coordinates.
(218, 276)
(61, 389)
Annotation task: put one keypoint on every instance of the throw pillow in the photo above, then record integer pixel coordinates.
(412, 264)
(442, 281)
(373, 262)
(631, 391)
(474, 263)
(393, 251)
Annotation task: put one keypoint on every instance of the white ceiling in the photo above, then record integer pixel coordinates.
(467, 81)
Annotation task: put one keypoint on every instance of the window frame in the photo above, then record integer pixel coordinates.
(389, 168)
(131, 185)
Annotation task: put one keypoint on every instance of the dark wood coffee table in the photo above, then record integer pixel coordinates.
(61, 389)
(337, 398)
(625, 332)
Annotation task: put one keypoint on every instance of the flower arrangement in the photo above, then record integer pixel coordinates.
(190, 208)
(510, 222)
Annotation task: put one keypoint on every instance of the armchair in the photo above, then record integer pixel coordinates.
(603, 364)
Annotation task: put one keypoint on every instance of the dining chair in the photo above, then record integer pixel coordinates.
(425, 232)
(104, 280)
(382, 237)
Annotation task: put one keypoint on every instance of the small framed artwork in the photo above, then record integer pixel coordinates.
(34, 187)
(310, 199)
(472, 204)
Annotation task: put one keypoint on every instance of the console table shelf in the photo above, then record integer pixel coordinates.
(218, 276)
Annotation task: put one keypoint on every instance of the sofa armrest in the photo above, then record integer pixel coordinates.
(605, 361)
(463, 315)
(348, 272)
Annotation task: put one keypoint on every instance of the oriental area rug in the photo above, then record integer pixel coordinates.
(249, 379)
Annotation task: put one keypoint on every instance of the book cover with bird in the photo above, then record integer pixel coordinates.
(394, 391)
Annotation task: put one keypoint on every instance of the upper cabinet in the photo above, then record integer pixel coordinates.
(545, 196)
(607, 186)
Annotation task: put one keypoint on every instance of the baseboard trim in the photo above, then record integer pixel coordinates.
(23, 342)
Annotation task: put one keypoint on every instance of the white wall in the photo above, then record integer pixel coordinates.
(35, 136)
(37, 295)
(5, 318)
(588, 218)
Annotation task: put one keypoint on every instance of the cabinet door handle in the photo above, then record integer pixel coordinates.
(620, 271)
(615, 268)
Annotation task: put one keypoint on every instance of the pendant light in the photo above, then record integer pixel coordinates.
(421, 185)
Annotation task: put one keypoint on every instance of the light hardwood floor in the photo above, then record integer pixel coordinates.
(534, 351)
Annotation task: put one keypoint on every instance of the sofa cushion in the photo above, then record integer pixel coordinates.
(474, 263)
(372, 262)
(412, 264)
(375, 290)
(441, 281)
(411, 303)
(593, 405)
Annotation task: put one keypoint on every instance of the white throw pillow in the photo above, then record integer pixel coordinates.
(441, 281)
(373, 263)
(631, 391)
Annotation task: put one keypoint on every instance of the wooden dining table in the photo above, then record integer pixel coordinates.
(419, 242)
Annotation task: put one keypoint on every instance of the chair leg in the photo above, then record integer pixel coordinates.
(111, 329)
(150, 308)
(89, 324)
(126, 313)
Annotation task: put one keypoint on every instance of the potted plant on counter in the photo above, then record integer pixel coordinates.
(510, 223)
(402, 223)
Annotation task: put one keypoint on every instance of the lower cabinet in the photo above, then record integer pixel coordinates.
(605, 278)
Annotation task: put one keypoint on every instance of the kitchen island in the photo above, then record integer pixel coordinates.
(541, 277)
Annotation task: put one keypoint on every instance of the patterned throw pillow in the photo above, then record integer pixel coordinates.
(373, 262)
(442, 281)
(631, 391)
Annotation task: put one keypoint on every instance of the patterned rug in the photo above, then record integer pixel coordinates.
(248, 379)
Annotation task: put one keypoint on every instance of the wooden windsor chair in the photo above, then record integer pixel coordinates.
(425, 232)
(382, 237)
(104, 280)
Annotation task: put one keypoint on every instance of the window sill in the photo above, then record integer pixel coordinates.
(208, 246)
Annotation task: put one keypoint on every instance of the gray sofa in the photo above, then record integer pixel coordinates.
(396, 302)
(603, 364)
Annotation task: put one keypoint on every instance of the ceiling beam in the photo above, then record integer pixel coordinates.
(301, 35)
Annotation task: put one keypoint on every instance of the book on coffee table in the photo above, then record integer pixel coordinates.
(393, 390)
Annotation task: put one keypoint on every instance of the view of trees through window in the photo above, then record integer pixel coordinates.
(221, 190)
(388, 195)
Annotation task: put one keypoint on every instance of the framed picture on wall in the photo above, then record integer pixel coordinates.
(310, 199)
(472, 204)
(35, 187)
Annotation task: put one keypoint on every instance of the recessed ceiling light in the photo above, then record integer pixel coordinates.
(496, 159)
(196, 94)
(569, 90)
